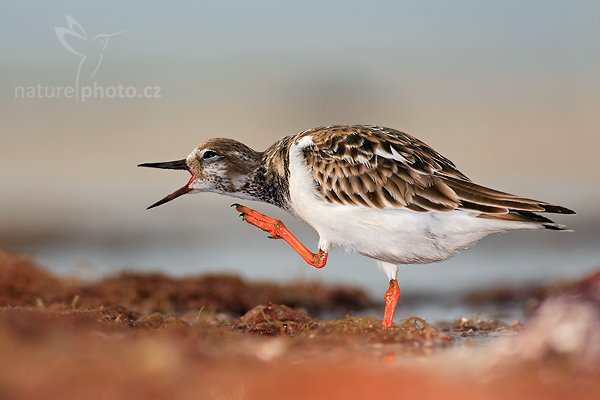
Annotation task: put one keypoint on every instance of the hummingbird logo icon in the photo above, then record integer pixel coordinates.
(90, 50)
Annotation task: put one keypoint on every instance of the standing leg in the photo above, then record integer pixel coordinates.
(393, 293)
(391, 301)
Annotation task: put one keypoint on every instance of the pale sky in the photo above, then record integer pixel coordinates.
(509, 90)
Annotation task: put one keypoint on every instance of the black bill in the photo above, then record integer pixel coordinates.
(179, 164)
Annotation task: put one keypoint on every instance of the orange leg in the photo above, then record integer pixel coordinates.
(391, 301)
(278, 230)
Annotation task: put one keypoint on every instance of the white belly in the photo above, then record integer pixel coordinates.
(393, 235)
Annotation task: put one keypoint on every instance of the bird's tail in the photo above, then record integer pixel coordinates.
(533, 218)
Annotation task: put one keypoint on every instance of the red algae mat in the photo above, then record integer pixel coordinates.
(219, 337)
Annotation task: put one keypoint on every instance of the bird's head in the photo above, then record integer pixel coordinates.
(218, 165)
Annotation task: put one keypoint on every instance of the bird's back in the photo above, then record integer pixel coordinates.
(357, 183)
(378, 167)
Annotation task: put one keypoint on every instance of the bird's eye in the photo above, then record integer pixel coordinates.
(209, 154)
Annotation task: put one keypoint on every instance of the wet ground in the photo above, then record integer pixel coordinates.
(221, 337)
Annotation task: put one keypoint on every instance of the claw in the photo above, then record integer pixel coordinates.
(277, 230)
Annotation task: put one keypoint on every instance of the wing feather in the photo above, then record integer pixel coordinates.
(378, 167)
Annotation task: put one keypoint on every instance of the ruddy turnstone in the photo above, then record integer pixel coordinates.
(371, 190)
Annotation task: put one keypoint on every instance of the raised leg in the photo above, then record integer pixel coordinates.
(278, 230)
(391, 301)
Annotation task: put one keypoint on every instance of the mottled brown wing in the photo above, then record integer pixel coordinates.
(380, 167)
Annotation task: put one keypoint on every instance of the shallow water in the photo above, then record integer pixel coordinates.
(510, 259)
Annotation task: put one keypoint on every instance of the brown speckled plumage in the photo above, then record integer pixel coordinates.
(373, 166)
(359, 166)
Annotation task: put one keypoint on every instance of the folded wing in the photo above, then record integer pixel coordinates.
(378, 167)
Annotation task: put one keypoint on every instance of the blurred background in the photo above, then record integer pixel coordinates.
(509, 90)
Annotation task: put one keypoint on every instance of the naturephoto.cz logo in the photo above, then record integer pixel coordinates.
(90, 52)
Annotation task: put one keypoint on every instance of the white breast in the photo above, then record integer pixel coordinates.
(393, 235)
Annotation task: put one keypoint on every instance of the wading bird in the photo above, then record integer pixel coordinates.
(371, 190)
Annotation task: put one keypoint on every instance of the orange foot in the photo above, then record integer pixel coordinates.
(277, 230)
(391, 301)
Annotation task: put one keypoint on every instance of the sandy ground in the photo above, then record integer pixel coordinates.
(219, 337)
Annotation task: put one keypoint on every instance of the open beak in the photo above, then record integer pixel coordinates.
(179, 164)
